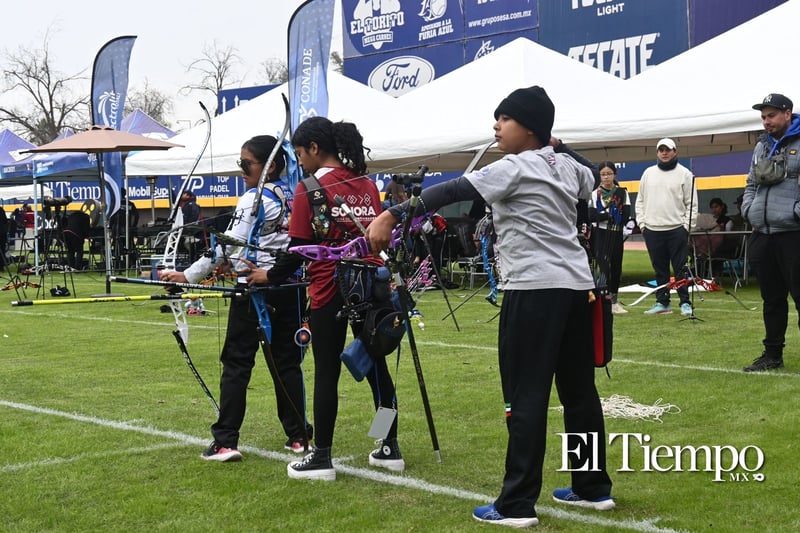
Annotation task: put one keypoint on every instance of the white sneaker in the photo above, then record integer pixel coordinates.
(617, 309)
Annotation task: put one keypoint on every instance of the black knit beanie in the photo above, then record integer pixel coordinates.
(532, 108)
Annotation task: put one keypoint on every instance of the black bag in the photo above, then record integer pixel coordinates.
(384, 328)
(772, 170)
(367, 293)
(58, 290)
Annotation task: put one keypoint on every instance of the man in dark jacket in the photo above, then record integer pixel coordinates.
(771, 205)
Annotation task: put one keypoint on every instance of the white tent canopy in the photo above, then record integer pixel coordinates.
(349, 100)
(454, 114)
(701, 98)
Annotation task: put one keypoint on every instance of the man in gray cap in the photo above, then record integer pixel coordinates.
(666, 206)
(770, 205)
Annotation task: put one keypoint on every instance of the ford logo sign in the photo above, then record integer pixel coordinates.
(400, 75)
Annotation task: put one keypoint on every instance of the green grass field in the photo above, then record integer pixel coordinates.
(102, 423)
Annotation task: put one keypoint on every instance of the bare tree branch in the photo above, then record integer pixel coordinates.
(216, 69)
(275, 71)
(151, 101)
(49, 104)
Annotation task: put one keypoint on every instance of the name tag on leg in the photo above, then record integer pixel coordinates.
(382, 423)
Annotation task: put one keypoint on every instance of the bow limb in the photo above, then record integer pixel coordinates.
(264, 178)
(169, 262)
(185, 184)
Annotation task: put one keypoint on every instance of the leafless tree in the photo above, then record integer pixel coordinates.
(337, 60)
(49, 103)
(216, 70)
(275, 71)
(151, 101)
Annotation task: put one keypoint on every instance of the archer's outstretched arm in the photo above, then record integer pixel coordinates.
(379, 232)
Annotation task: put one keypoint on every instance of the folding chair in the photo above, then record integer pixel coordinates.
(712, 258)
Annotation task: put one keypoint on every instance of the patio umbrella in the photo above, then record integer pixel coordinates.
(101, 139)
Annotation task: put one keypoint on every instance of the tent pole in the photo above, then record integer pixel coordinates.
(106, 224)
(127, 228)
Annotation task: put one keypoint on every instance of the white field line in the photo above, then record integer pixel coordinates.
(53, 461)
(472, 347)
(645, 526)
(438, 344)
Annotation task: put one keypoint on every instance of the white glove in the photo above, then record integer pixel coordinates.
(628, 229)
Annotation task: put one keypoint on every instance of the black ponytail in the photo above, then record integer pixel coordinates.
(341, 139)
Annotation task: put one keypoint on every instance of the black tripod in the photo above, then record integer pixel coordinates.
(437, 272)
(690, 271)
(53, 250)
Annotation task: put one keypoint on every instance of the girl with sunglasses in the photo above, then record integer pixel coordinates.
(241, 340)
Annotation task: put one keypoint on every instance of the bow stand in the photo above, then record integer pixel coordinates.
(400, 268)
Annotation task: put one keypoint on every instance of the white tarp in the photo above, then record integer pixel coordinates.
(23, 192)
(702, 98)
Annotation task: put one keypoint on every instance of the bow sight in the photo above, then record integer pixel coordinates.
(407, 180)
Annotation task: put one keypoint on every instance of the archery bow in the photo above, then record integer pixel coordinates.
(169, 261)
(253, 242)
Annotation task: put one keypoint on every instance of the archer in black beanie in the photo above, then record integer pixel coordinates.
(532, 108)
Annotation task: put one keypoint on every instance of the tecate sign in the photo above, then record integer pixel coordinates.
(400, 75)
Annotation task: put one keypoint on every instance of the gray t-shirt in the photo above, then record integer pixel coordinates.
(533, 196)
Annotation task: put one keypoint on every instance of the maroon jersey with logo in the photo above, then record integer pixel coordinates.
(363, 198)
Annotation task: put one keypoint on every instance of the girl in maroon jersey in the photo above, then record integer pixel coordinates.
(333, 152)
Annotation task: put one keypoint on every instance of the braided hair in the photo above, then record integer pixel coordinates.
(261, 146)
(341, 139)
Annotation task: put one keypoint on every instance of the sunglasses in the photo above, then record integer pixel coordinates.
(245, 165)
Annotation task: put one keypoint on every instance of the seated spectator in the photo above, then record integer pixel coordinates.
(709, 244)
(194, 242)
(395, 194)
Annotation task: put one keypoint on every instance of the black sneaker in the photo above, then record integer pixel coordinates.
(764, 362)
(315, 465)
(217, 452)
(387, 456)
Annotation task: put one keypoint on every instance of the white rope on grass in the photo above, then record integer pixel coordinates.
(617, 406)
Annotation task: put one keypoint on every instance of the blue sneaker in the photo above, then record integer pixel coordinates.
(686, 309)
(659, 309)
(487, 513)
(604, 503)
